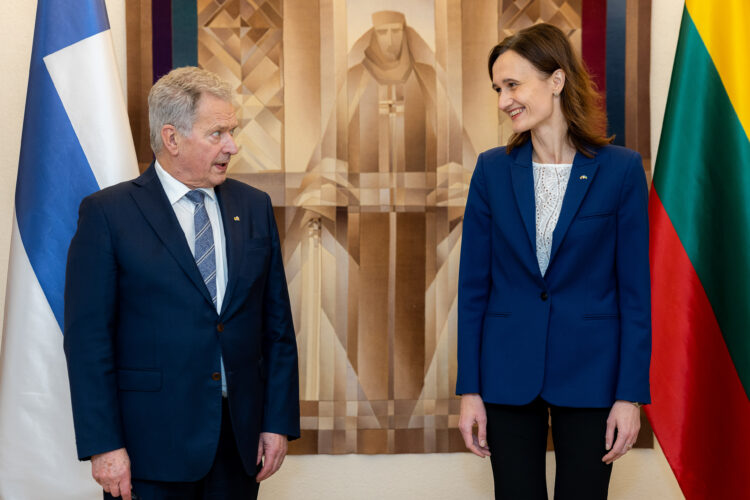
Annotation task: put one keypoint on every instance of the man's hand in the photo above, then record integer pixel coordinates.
(112, 471)
(472, 411)
(272, 449)
(626, 418)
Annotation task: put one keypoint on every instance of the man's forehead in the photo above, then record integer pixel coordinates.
(211, 104)
(217, 113)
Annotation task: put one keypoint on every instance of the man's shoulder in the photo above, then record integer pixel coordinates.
(112, 194)
(246, 191)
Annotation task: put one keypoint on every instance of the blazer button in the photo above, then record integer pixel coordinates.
(544, 295)
(220, 327)
(216, 376)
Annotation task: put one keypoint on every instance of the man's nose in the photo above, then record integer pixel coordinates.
(230, 146)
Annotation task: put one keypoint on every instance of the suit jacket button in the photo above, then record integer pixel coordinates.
(544, 296)
(216, 376)
(220, 327)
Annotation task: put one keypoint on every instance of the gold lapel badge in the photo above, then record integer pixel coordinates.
(236, 218)
(584, 177)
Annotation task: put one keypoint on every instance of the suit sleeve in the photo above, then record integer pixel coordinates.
(473, 282)
(281, 413)
(90, 311)
(633, 286)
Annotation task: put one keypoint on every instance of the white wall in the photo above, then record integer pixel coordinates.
(642, 474)
(665, 29)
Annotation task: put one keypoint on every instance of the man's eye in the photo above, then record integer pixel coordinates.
(231, 132)
(512, 85)
(216, 133)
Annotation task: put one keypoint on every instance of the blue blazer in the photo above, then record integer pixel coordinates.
(580, 335)
(143, 339)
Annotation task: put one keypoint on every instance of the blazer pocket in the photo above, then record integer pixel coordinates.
(139, 380)
(601, 316)
(498, 314)
(257, 243)
(595, 215)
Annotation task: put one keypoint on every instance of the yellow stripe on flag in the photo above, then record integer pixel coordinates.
(725, 30)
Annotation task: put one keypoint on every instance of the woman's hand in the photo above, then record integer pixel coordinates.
(626, 418)
(473, 412)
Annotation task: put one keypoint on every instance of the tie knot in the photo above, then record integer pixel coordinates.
(196, 196)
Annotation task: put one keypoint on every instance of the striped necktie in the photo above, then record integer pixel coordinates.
(205, 250)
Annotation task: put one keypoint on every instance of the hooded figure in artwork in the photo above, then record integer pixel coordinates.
(391, 92)
(372, 193)
(392, 146)
(387, 57)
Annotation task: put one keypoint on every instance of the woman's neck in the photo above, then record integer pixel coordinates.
(551, 145)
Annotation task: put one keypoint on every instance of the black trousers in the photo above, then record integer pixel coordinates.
(226, 480)
(517, 437)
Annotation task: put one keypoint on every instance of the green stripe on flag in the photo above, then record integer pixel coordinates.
(703, 179)
(184, 33)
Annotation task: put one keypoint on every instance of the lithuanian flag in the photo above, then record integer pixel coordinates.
(700, 256)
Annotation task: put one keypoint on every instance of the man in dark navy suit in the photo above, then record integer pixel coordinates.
(181, 351)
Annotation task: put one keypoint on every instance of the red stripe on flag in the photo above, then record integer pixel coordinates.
(700, 412)
(594, 40)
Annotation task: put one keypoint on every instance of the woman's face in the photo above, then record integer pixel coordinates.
(524, 93)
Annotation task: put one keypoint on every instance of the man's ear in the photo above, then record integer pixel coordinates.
(170, 138)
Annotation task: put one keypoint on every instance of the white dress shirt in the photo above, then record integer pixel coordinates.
(184, 209)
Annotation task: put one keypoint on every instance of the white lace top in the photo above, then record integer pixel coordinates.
(550, 181)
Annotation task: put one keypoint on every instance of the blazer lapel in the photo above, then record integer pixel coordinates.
(230, 206)
(581, 176)
(155, 207)
(522, 177)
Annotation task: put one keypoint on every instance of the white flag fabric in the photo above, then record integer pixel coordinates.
(76, 139)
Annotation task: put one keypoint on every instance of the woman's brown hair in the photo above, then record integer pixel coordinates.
(548, 49)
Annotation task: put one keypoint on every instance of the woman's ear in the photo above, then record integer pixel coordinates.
(558, 81)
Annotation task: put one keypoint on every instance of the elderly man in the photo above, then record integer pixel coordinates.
(178, 332)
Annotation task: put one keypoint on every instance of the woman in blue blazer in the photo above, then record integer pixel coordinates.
(554, 303)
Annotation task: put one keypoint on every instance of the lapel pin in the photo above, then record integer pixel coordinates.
(236, 218)
(584, 177)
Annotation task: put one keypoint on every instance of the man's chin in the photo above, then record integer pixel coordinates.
(218, 178)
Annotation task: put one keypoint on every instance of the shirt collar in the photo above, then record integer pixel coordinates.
(174, 189)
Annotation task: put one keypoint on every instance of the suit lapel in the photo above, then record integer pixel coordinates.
(522, 177)
(581, 176)
(230, 206)
(155, 207)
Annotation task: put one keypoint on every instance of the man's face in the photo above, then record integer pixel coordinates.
(389, 38)
(203, 155)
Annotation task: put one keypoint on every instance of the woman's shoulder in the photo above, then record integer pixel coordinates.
(494, 153)
(498, 156)
(617, 155)
(620, 163)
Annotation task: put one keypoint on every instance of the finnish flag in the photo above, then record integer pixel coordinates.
(76, 140)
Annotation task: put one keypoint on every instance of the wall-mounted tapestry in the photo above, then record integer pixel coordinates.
(363, 121)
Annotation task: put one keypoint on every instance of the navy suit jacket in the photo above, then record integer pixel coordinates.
(143, 339)
(580, 335)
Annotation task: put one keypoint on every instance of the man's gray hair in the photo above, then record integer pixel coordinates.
(173, 100)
